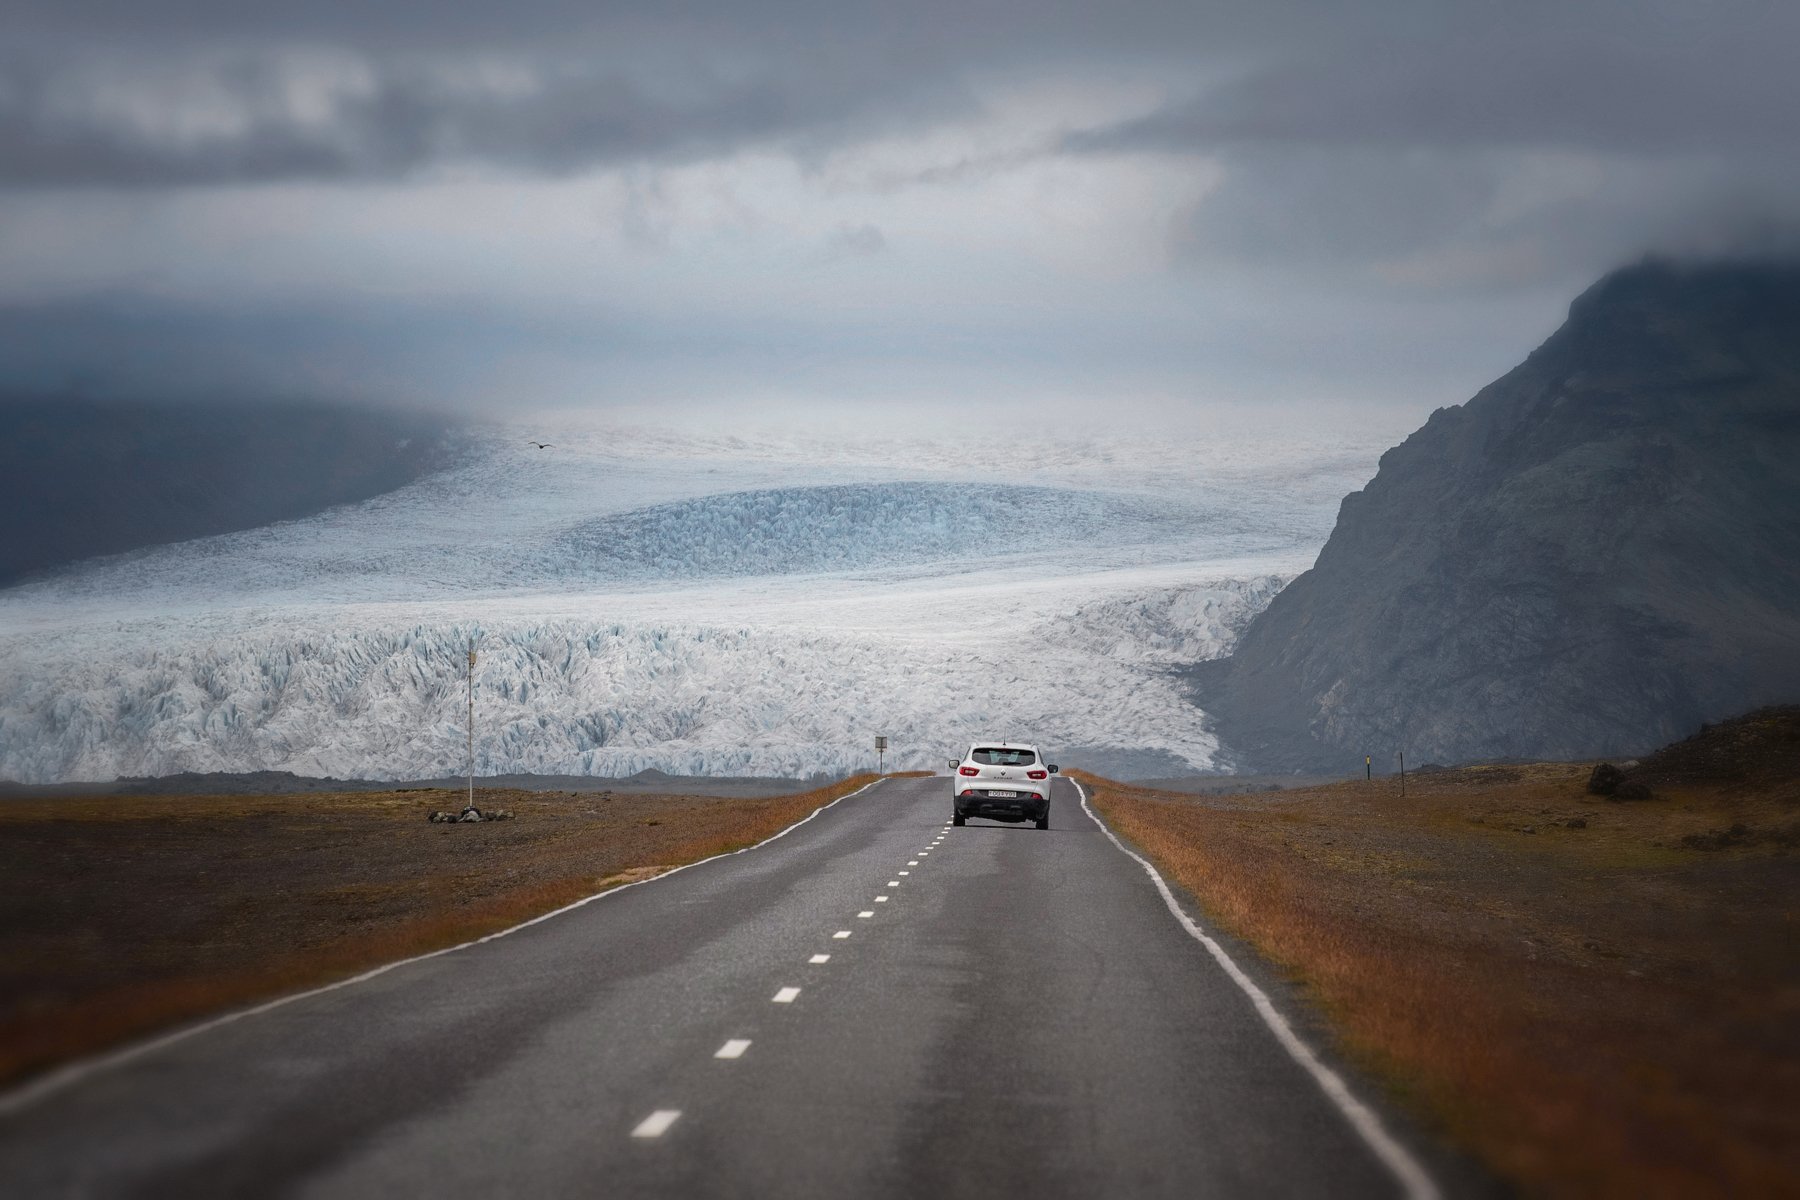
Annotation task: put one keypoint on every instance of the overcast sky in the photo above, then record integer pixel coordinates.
(1172, 205)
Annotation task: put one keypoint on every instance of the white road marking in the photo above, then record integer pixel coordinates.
(786, 995)
(881, 899)
(842, 933)
(906, 872)
(733, 1049)
(895, 882)
(657, 1123)
(865, 915)
(1414, 1179)
(819, 958)
(912, 862)
(24, 1097)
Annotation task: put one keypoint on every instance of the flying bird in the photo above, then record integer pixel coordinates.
(542, 445)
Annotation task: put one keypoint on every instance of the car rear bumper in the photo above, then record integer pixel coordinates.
(1013, 806)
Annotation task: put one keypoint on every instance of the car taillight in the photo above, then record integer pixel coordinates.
(968, 771)
(1037, 774)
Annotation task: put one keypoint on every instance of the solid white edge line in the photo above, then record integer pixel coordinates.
(657, 1123)
(1410, 1173)
(71, 1073)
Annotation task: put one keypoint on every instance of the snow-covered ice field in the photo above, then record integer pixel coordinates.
(701, 603)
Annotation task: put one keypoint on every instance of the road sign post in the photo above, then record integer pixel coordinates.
(880, 753)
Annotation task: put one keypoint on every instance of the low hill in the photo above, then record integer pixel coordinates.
(1759, 751)
(85, 477)
(1597, 553)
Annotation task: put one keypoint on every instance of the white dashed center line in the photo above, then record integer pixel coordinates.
(912, 862)
(881, 899)
(733, 1049)
(786, 995)
(906, 872)
(657, 1123)
(842, 933)
(866, 915)
(819, 958)
(895, 882)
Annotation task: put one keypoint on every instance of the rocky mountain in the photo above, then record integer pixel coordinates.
(1594, 555)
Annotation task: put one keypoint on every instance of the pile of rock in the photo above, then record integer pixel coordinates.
(1612, 782)
(470, 815)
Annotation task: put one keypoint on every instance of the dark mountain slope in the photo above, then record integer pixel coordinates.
(81, 477)
(1597, 553)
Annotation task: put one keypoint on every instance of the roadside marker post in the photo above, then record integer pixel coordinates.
(880, 753)
(1368, 771)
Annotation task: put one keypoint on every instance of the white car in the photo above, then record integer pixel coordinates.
(1004, 781)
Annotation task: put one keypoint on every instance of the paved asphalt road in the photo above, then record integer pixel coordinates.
(1003, 1012)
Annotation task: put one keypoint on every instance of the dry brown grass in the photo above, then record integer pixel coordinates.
(1597, 1010)
(123, 916)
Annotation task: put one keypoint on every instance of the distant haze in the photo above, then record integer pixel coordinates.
(792, 206)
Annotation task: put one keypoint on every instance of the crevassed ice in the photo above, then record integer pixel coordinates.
(330, 696)
(695, 616)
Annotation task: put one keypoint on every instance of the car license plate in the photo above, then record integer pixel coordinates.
(995, 795)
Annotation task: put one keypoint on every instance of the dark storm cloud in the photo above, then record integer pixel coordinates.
(200, 92)
(1551, 144)
(1325, 206)
(1739, 93)
(596, 83)
(397, 119)
(930, 180)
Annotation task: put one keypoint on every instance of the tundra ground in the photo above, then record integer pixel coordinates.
(1597, 997)
(122, 915)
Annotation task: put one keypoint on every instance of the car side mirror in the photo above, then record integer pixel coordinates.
(955, 763)
(1053, 768)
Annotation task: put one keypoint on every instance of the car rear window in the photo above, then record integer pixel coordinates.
(993, 756)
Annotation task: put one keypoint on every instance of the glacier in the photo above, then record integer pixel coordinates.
(742, 604)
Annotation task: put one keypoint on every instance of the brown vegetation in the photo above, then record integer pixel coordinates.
(121, 915)
(1597, 998)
